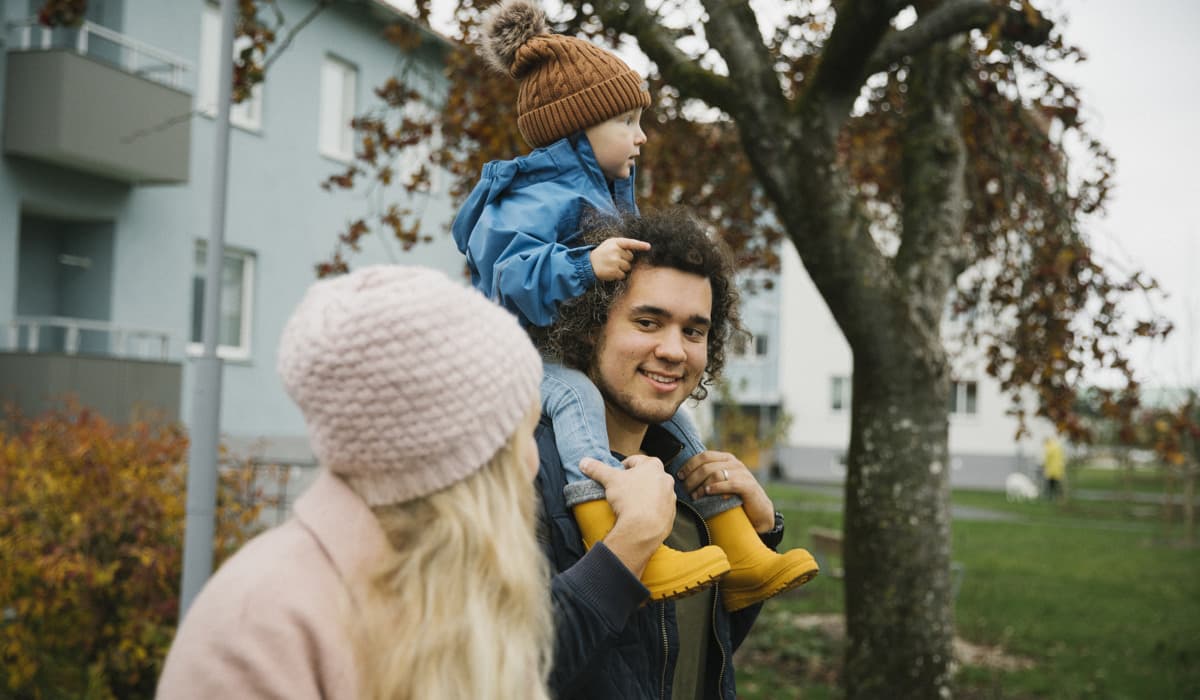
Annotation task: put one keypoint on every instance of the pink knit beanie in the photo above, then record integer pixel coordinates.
(408, 381)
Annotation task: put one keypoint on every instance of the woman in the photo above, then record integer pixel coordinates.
(404, 571)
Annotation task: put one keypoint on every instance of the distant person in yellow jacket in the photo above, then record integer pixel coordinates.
(1053, 467)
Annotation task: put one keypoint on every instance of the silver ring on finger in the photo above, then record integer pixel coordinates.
(725, 473)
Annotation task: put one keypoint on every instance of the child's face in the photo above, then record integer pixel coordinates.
(617, 143)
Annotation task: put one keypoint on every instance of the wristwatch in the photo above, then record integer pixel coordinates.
(774, 536)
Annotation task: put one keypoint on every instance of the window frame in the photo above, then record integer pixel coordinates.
(839, 393)
(244, 351)
(964, 398)
(347, 108)
(247, 114)
(750, 347)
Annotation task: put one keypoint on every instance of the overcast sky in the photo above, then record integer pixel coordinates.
(1141, 87)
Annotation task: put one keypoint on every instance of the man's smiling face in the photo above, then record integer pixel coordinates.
(653, 349)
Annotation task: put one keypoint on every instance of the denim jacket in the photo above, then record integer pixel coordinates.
(607, 645)
(519, 228)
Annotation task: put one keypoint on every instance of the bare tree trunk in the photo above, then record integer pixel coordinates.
(899, 607)
(897, 540)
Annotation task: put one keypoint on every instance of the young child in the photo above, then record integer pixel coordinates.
(580, 106)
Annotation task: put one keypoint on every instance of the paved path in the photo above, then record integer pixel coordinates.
(956, 512)
(1134, 496)
(976, 514)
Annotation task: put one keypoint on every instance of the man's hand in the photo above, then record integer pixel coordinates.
(642, 497)
(713, 473)
(613, 259)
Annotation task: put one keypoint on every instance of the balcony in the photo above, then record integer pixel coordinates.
(94, 100)
(119, 372)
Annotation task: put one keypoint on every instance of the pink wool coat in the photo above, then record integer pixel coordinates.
(271, 621)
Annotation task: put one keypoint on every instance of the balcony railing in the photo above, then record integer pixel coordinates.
(122, 341)
(89, 39)
(273, 484)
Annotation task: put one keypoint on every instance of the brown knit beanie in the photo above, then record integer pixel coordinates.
(567, 84)
(408, 382)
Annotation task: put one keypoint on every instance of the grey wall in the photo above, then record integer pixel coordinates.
(46, 286)
(37, 283)
(969, 471)
(84, 113)
(120, 390)
(86, 292)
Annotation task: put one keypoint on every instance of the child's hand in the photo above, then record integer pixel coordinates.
(612, 259)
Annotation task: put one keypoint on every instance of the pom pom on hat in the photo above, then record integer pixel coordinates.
(567, 84)
(408, 381)
(507, 29)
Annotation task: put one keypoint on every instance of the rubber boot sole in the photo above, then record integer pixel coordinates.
(672, 574)
(802, 569)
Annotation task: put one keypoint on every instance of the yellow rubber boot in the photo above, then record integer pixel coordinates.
(756, 572)
(669, 573)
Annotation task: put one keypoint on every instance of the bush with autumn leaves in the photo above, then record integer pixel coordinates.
(91, 533)
(1174, 434)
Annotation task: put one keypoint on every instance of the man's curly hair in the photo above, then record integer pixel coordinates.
(676, 241)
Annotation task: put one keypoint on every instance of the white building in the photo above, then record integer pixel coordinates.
(800, 364)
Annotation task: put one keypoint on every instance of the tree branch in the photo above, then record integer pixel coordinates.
(827, 224)
(676, 67)
(933, 186)
(291, 35)
(857, 31)
(954, 17)
(732, 29)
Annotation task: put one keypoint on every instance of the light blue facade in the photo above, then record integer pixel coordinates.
(142, 238)
(753, 374)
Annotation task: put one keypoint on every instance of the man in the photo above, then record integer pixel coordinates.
(648, 342)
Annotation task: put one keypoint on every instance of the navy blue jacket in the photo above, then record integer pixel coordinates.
(519, 228)
(606, 644)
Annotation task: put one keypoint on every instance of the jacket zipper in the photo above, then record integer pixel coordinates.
(662, 681)
(716, 599)
(721, 647)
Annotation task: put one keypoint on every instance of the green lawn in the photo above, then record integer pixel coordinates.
(1098, 595)
(1145, 479)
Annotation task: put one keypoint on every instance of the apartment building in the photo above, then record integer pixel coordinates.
(106, 189)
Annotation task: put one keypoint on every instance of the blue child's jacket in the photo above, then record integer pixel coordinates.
(520, 227)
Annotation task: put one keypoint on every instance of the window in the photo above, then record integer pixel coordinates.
(963, 398)
(739, 345)
(339, 83)
(237, 286)
(839, 393)
(749, 346)
(246, 114)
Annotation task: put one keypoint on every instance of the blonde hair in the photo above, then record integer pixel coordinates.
(460, 605)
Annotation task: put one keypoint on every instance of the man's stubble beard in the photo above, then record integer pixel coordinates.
(628, 405)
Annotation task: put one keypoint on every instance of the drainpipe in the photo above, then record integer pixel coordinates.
(206, 369)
